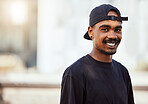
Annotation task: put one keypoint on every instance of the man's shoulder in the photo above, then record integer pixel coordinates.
(118, 64)
(120, 67)
(80, 63)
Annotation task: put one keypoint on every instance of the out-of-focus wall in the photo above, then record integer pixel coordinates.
(18, 29)
(54, 30)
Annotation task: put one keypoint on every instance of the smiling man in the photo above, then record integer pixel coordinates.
(97, 78)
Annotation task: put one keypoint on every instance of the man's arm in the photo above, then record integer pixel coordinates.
(72, 91)
(130, 92)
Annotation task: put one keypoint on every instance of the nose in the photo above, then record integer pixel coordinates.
(112, 35)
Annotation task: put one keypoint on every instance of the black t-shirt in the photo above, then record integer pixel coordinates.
(89, 81)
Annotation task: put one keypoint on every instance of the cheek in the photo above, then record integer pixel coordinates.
(98, 42)
(119, 36)
(98, 39)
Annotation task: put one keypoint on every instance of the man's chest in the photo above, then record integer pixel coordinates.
(106, 87)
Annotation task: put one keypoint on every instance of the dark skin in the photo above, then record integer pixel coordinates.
(106, 36)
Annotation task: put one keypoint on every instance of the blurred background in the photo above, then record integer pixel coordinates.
(40, 38)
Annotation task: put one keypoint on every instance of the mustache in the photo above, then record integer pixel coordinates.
(111, 41)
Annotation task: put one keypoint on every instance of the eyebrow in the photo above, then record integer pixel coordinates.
(110, 26)
(118, 27)
(104, 26)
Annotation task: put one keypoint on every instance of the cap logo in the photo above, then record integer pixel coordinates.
(113, 18)
(117, 18)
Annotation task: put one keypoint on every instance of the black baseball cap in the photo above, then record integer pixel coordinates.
(100, 13)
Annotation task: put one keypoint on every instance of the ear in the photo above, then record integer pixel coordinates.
(90, 32)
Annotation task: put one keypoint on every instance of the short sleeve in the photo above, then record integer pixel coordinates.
(129, 86)
(130, 91)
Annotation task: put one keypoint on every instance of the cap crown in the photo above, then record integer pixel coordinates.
(99, 13)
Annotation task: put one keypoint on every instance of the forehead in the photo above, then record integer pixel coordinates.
(112, 13)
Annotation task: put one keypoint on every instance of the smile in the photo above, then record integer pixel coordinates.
(111, 42)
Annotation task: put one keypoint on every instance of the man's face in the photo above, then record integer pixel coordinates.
(106, 35)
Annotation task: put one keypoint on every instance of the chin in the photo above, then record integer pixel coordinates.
(108, 53)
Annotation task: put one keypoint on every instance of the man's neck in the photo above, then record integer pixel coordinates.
(100, 56)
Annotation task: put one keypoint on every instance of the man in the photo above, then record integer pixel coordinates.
(96, 78)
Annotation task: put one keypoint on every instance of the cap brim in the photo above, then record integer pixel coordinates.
(86, 36)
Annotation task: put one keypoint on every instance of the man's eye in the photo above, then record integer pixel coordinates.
(105, 30)
(118, 30)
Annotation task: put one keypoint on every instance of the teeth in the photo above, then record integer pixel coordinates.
(111, 44)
